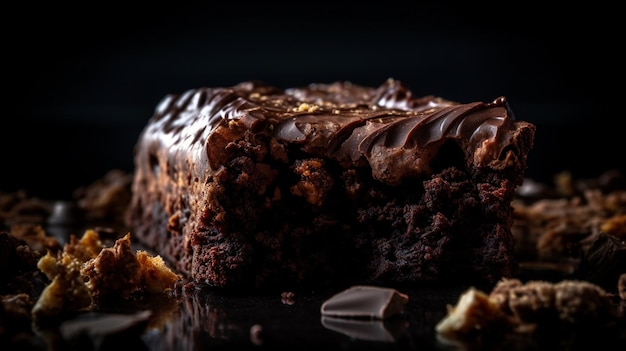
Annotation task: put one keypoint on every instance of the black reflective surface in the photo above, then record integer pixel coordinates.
(198, 317)
(226, 321)
(208, 319)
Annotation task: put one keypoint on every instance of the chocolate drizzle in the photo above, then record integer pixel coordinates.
(387, 128)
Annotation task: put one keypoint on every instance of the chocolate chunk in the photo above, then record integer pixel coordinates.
(365, 302)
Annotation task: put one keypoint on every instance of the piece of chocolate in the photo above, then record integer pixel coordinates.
(365, 302)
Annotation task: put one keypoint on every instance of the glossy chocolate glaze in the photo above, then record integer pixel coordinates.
(385, 128)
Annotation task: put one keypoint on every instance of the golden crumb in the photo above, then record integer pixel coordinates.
(304, 107)
(155, 276)
(85, 248)
(615, 226)
(621, 286)
(67, 292)
(473, 312)
(514, 306)
(118, 271)
(86, 272)
(567, 301)
(564, 183)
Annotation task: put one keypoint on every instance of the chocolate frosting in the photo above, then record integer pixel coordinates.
(387, 128)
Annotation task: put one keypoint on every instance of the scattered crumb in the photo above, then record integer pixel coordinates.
(474, 312)
(621, 286)
(567, 301)
(288, 298)
(35, 236)
(513, 306)
(256, 334)
(87, 271)
(615, 226)
(553, 228)
(19, 207)
(106, 198)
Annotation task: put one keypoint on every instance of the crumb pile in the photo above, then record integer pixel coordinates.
(86, 272)
(49, 275)
(580, 224)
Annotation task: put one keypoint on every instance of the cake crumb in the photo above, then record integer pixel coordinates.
(288, 297)
(474, 312)
(87, 271)
(567, 301)
(35, 237)
(304, 107)
(621, 286)
(117, 271)
(516, 307)
(256, 334)
(615, 226)
(106, 198)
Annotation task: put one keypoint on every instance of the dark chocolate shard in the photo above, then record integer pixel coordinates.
(370, 330)
(364, 301)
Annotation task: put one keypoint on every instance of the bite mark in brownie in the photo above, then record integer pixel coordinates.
(254, 185)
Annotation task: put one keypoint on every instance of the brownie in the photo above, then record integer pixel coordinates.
(331, 183)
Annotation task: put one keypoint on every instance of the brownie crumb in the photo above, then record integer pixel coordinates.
(256, 334)
(18, 267)
(87, 272)
(621, 286)
(534, 307)
(288, 297)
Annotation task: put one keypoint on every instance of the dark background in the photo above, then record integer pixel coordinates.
(81, 82)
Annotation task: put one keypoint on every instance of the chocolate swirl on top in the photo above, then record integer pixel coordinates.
(387, 128)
